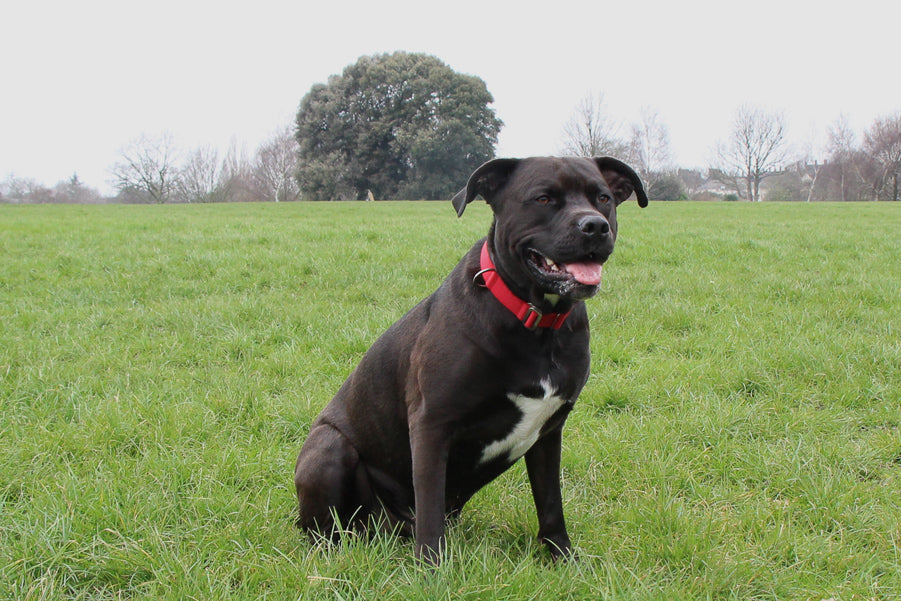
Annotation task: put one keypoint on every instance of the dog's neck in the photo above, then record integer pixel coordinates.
(527, 313)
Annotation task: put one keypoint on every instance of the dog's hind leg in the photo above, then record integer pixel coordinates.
(331, 484)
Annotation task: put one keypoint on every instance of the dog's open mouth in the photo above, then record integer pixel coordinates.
(586, 271)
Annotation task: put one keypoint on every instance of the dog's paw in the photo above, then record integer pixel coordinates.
(560, 549)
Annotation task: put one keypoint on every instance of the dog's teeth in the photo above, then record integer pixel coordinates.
(550, 263)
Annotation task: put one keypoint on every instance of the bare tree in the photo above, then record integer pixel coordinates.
(841, 146)
(199, 179)
(590, 131)
(148, 169)
(809, 168)
(882, 143)
(754, 151)
(650, 144)
(809, 176)
(649, 151)
(19, 189)
(275, 167)
(236, 177)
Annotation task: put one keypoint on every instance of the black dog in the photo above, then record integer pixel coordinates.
(480, 373)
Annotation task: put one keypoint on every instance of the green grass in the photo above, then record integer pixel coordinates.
(159, 368)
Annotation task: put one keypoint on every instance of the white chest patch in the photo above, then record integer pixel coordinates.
(535, 412)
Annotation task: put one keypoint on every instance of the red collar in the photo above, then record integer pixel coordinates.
(525, 312)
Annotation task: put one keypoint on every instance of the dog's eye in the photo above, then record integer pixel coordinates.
(544, 199)
(604, 198)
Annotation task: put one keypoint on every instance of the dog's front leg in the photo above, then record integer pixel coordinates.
(429, 446)
(543, 465)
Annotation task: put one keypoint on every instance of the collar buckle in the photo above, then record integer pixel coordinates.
(532, 317)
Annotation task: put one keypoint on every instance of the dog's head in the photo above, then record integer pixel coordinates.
(554, 219)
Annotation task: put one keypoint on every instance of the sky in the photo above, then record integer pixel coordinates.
(80, 80)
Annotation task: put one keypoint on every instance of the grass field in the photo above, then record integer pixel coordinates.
(160, 365)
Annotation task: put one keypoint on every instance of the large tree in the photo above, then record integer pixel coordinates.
(401, 125)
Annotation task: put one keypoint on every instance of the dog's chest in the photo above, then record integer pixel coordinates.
(534, 412)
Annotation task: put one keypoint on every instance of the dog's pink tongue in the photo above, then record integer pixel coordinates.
(586, 273)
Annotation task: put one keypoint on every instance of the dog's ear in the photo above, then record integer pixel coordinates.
(622, 180)
(485, 182)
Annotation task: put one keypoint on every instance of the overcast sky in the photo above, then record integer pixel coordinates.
(82, 79)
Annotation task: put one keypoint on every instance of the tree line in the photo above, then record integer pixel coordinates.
(406, 126)
(153, 169)
(754, 162)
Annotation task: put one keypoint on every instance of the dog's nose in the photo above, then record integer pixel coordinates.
(594, 225)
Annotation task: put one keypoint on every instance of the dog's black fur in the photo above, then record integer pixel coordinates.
(431, 413)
